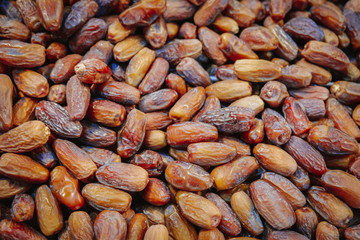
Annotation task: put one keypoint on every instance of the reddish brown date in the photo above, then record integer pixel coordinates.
(185, 133)
(92, 71)
(306, 155)
(156, 192)
(296, 116)
(6, 102)
(51, 13)
(77, 98)
(272, 205)
(131, 136)
(123, 176)
(96, 135)
(22, 208)
(12, 230)
(119, 92)
(64, 68)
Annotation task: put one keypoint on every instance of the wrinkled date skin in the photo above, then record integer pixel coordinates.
(92, 71)
(131, 136)
(123, 176)
(110, 225)
(187, 176)
(6, 95)
(22, 208)
(77, 98)
(10, 229)
(10, 187)
(272, 205)
(103, 197)
(15, 53)
(57, 119)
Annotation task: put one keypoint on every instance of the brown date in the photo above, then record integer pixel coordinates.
(64, 68)
(177, 225)
(24, 110)
(296, 116)
(30, 14)
(329, 207)
(306, 221)
(244, 208)
(156, 192)
(137, 227)
(10, 187)
(57, 119)
(106, 113)
(229, 223)
(210, 153)
(12, 230)
(96, 135)
(51, 13)
(31, 83)
(326, 231)
(119, 92)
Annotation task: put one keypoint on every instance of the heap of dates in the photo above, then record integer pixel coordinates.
(179, 119)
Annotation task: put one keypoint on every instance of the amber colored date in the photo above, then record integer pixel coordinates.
(198, 210)
(233, 173)
(156, 192)
(48, 211)
(137, 227)
(210, 153)
(188, 105)
(142, 13)
(229, 90)
(15, 53)
(155, 77)
(31, 83)
(325, 231)
(275, 159)
(306, 221)
(10, 187)
(24, 110)
(66, 188)
(80, 225)
(76, 160)
(110, 225)
(245, 210)
(274, 93)
(6, 102)
(106, 112)
(23, 168)
(177, 225)
(187, 176)
(103, 197)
